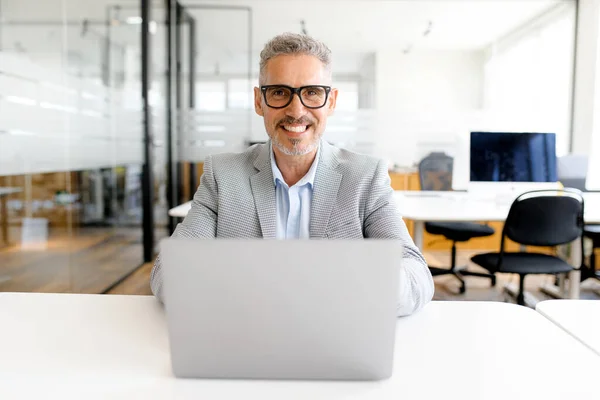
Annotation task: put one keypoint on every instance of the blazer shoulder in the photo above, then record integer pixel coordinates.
(351, 161)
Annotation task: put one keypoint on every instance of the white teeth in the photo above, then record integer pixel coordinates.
(297, 129)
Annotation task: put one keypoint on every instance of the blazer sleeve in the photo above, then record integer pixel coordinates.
(200, 222)
(383, 221)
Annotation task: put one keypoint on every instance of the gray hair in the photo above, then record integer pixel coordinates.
(294, 43)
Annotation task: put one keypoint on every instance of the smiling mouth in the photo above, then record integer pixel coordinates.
(295, 128)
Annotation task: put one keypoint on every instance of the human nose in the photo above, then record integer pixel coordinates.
(296, 109)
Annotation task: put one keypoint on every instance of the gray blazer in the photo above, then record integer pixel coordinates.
(352, 199)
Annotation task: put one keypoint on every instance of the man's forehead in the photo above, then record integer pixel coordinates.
(297, 68)
(294, 60)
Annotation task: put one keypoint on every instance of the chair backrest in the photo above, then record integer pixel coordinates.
(435, 171)
(545, 218)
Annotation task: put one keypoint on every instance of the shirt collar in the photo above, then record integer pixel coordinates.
(309, 178)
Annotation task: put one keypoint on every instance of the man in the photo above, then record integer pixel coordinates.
(297, 185)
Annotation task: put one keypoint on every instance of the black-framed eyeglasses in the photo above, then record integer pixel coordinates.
(280, 96)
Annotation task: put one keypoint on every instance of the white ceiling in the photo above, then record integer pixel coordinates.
(354, 28)
(351, 28)
(365, 26)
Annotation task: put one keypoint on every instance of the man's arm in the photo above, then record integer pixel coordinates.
(200, 222)
(383, 221)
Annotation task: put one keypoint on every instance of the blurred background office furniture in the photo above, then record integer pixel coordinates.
(591, 232)
(4, 192)
(537, 218)
(420, 207)
(571, 171)
(435, 174)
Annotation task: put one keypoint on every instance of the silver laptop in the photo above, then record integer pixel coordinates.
(271, 309)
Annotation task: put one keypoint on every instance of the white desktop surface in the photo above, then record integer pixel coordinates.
(181, 210)
(450, 206)
(580, 318)
(71, 346)
(466, 206)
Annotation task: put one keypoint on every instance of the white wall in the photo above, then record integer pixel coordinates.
(586, 76)
(425, 97)
(367, 84)
(529, 76)
(586, 118)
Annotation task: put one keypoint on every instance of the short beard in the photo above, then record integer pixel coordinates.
(294, 151)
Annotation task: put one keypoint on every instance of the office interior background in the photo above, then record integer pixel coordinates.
(108, 108)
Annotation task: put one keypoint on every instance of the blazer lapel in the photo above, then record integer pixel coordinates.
(326, 186)
(263, 190)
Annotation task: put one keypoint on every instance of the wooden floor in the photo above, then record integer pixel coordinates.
(137, 283)
(446, 287)
(89, 260)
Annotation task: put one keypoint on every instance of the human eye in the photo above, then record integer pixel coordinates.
(278, 92)
(313, 92)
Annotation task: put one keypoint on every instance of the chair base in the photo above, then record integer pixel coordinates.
(460, 274)
(442, 271)
(492, 277)
(589, 271)
(511, 294)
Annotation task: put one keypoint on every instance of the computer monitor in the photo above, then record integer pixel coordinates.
(513, 157)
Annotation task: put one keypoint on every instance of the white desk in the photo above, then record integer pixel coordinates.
(181, 210)
(468, 207)
(73, 346)
(448, 206)
(579, 318)
(421, 206)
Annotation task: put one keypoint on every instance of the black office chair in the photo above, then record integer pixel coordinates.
(572, 171)
(589, 271)
(435, 173)
(537, 218)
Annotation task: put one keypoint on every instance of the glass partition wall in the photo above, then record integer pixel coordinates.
(72, 141)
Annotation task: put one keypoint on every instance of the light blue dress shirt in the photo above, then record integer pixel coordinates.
(293, 203)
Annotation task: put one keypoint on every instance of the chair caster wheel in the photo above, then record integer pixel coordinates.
(462, 289)
(493, 281)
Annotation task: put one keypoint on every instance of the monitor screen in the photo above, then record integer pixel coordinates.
(513, 157)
